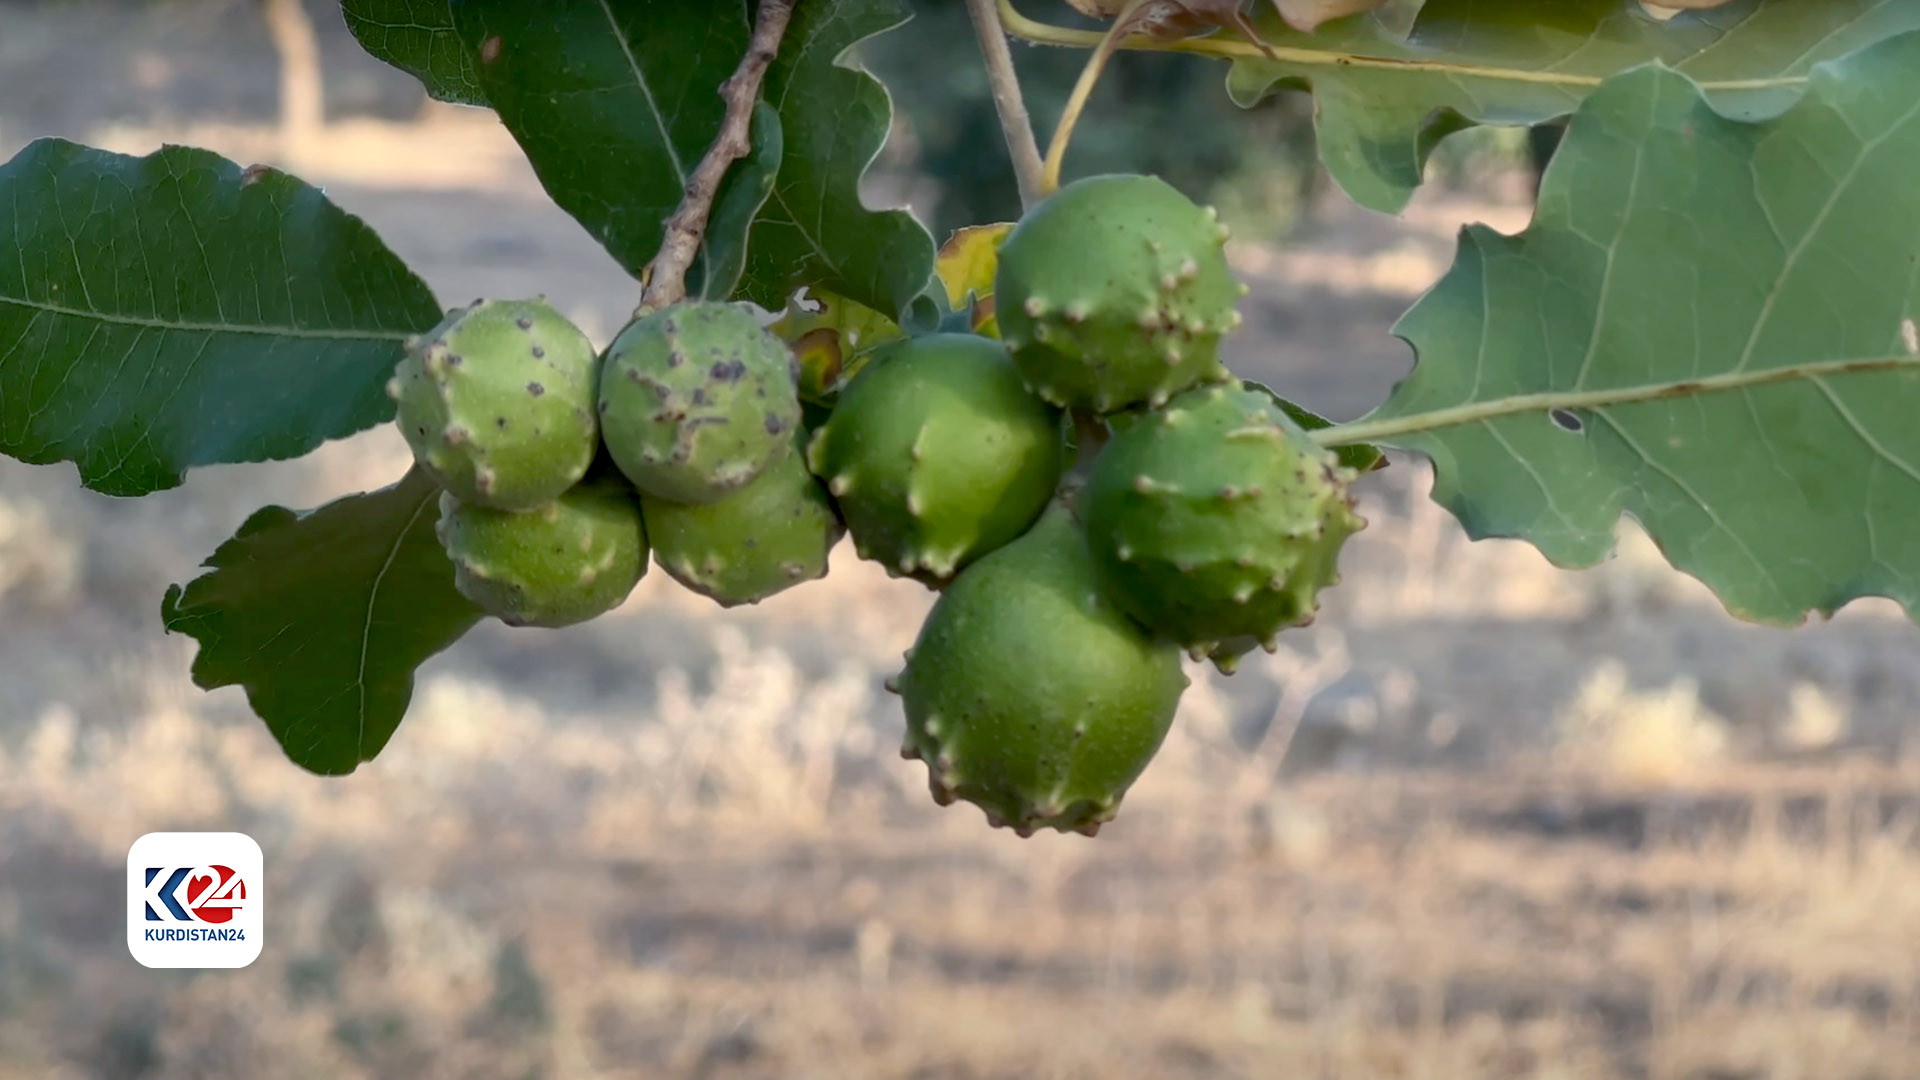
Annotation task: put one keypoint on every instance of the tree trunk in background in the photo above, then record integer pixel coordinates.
(302, 93)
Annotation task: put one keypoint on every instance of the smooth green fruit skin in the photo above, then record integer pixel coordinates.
(696, 400)
(761, 540)
(937, 454)
(1030, 695)
(1217, 521)
(497, 403)
(1115, 291)
(571, 560)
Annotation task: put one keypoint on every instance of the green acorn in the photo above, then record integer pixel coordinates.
(1217, 521)
(937, 454)
(1115, 291)
(497, 403)
(765, 538)
(696, 400)
(1030, 695)
(571, 560)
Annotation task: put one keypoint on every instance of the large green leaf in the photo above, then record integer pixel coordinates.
(418, 37)
(1708, 326)
(815, 230)
(1384, 99)
(170, 311)
(324, 616)
(614, 101)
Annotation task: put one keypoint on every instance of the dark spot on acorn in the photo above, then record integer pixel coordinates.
(539, 353)
(536, 389)
(603, 408)
(500, 422)
(1567, 421)
(729, 371)
(523, 323)
(775, 425)
(675, 358)
(454, 360)
(700, 397)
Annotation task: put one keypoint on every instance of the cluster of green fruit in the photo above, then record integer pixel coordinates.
(560, 466)
(1048, 672)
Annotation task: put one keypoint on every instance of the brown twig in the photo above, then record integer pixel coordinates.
(666, 275)
(1015, 125)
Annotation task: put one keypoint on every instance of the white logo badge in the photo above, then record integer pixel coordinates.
(193, 900)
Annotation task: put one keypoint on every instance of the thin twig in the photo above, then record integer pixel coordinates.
(1015, 124)
(666, 275)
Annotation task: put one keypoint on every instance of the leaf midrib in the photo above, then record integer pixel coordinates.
(1386, 429)
(373, 602)
(262, 329)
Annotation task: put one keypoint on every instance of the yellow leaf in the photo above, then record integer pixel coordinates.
(966, 267)
(831, 343)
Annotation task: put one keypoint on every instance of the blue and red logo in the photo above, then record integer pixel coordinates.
(194, 900)
(193, 894)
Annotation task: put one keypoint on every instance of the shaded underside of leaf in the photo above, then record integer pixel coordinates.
(815, 230)
(418, 37)
(1384, 98)
(174, 310)
(323, 617)
(1745, 293)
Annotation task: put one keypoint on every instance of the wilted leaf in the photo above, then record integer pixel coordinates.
(1307, 15)
(174, 310)
(831, 337)
(1710, 326)
(967, 264)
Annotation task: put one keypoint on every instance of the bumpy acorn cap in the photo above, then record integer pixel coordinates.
(1217, 521)
(937, 454)
(1115, 291)
(497, 403)
(696, 400)
(568, 561)
(756, 542)
(1030, 695)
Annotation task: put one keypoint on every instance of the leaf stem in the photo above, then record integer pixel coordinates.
(666, 275)
(1016, 126)
(1233, 49)
(1082, 90)
(1386, 429)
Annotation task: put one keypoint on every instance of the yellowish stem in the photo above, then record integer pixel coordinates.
(1230, 48)
(1082, 90)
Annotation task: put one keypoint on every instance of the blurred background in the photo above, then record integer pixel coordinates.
(1485, 819)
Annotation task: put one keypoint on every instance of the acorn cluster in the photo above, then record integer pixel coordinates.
(563, 468)
(1048, 672)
